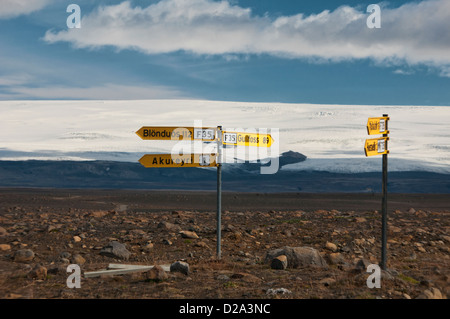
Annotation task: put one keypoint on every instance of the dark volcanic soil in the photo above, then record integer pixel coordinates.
(58, 225)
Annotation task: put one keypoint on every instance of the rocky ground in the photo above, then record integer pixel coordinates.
(39, 240)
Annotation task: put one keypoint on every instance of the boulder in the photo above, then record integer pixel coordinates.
(188, 234)
(115, 250)
(180, 266)
(156, 274)
(39, 272)
(169, 226)
(298, 257)
(23, 255)
(331, 246)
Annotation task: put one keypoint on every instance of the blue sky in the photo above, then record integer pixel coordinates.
(236, 50)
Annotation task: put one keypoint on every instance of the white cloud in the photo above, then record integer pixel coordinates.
(445, 72)
(105, 92)
(414, 33)
(14, 8)
(15, 79)
(403, 72)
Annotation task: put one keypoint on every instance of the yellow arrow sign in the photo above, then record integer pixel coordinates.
(186, 160)
(377, 146)
(176, 133)
(377, 125)
(247, 139)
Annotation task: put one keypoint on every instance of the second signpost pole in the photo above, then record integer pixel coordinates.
(384, 207)
(219, 191)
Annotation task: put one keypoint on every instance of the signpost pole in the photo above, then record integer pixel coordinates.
(219, 191)
(384, 208)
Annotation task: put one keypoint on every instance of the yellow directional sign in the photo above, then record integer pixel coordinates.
(377, 125)
(247, 139)
(177, 133)
(377, 146)
(186, 160)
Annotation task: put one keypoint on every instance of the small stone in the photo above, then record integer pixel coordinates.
(65, 254)
(279, 262)
(99, 214)
(23, 255)
(76, 239)
(362, 265)
(156, 274)
(38, 272)
(411, 210)
(177, 213)
(167, 242)
(278, 291)
(223, 277)
(202, 244)
(421, 249)
(188, 234)
(432, 293)
(78, 259)
(138, 233)
(331, 246)
(3, 232)
(51, 228)
(148, 247)
(180, 266)
(395, 229)
(229, 228)
(360, 220)
(4, 247)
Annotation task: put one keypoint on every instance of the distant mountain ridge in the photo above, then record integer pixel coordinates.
(236, 177)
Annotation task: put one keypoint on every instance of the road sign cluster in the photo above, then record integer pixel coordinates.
(176, 134)
(377, 146)
(205, 134)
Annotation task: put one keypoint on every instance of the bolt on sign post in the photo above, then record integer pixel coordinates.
(379, 146)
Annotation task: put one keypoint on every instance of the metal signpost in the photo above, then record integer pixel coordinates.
(379, 146)
(199, 160)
